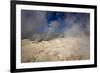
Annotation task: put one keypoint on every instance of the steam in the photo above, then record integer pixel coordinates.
(35, 26)
(31, 21)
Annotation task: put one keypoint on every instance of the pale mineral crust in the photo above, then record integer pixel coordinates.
(58, 49)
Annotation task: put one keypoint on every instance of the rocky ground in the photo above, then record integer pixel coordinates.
(58, 49)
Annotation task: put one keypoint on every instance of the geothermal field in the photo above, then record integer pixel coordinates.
(54, 36)
(58, 49)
